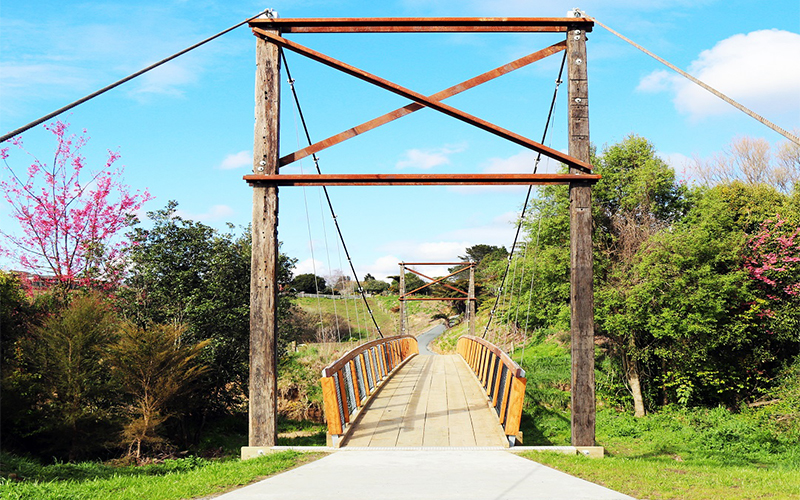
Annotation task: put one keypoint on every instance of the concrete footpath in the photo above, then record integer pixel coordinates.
(423, 474)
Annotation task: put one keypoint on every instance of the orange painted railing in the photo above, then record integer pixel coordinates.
(502, 378)
(348, 382)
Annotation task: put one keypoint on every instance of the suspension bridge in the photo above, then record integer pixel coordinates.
(385, 395)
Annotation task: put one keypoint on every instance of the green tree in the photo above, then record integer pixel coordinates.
(309, 283)
(153, 366)
(69, 355)
(184, 272)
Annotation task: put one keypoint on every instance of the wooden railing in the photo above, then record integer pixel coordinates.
(502, 378)
(348, 382)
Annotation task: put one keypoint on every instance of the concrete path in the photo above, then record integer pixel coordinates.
(423, 474)
(427, 337)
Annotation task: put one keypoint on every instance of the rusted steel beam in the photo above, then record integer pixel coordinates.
(435, 281)
(436, 298)
(440, 264)
(418, 179)
(410, 108)
(414, 106)
(417, 97)
(423, 25)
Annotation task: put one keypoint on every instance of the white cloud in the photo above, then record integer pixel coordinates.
(682, 164)
(214, 214)
(167, 79)
(427, 159)
(310, 266)
(750, 68)
(237, 160)
(499, 231)
(520, 163)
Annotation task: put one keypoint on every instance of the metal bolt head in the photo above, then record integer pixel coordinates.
(578, 100)
(260, 169)
(262, 162)
(579, 61)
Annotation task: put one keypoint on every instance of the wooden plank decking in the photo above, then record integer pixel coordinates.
(431, 401)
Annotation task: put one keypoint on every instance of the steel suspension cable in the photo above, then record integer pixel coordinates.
(327, 196)
(126, 79)
(707, 87)
(527, 197)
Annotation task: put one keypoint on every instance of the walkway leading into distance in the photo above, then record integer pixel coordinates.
(430, 401)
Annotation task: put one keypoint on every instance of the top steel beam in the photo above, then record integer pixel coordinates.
(424, 24)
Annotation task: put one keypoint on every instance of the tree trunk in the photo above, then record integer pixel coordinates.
(632, 374)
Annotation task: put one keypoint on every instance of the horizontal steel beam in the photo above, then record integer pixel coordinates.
(438, 263)
(425, 24)
(419, 179)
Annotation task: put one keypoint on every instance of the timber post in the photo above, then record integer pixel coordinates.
(402, 292)
(471, 300)
(580, 214)
(264, 260)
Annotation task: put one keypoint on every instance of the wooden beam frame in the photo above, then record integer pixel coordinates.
(422, 99)
(265, 182)
(580, 216)
(424, 24)
(417, 179)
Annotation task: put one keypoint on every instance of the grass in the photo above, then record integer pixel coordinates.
(174, 479)
(662, 477)
(384, 308)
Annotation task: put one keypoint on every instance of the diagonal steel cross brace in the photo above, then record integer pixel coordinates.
(434, 281)
(424, 100)
(415, 106)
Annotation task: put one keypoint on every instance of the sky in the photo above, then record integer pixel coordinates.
(185, 130)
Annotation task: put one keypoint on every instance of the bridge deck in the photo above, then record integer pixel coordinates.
(431, 401)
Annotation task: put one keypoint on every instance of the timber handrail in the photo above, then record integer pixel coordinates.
(348, 382)
(502, 378)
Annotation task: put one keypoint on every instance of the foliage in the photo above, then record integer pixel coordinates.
(69, 220)
(186, 272)
(68, 353)
(190, 477)
(153, 366)
(309, 283)
(375, 287)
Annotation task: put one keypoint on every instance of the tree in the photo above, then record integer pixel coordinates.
(476, 253)
(69, 355)
(185, 272)
(70, 221)
(309, 283)
(153, 366)
(752, 161)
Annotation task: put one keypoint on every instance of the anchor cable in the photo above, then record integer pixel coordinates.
(327, 196)
(527, 198)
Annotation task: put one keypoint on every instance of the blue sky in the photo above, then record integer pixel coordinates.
(185, 131)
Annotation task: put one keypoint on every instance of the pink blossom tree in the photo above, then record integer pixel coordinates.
(72, 219)
(772, 259)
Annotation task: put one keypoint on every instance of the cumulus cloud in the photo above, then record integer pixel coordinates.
(310, 266)
(750, 68)
(427, 159)
(237, 160)
(520, 163)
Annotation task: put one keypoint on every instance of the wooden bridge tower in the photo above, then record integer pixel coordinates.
(265, 180)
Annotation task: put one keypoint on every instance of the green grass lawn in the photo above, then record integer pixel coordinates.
(174, 479)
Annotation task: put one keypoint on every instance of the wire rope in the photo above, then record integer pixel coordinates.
(327, 196)
(527, 197)
(705, 86)
(105, 89)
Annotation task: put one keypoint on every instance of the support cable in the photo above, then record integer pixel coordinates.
(327, 196)
(59, 111)
(714, 91)
(527, 197)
